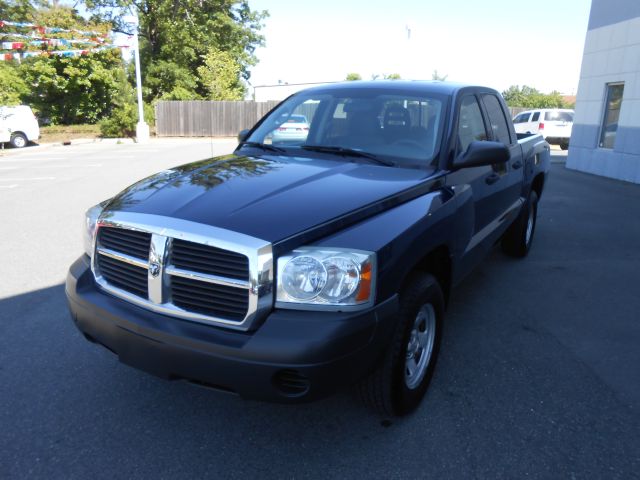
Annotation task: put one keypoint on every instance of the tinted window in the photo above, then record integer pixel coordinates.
(558, 116)
(522, 118)
(611, 115)
(470, 123)
(535, 117)
(404, 127)
(496, 118)
(297, 119)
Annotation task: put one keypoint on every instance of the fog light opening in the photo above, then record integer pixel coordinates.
(291, 383)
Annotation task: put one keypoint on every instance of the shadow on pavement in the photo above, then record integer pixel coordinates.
(538, 376)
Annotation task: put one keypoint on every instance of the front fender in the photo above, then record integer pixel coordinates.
(401, 237)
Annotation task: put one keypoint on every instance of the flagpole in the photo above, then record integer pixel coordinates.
(142, 128)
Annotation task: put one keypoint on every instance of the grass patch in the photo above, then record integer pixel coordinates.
(63, 133)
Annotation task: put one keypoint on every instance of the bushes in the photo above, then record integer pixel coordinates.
(123, 120)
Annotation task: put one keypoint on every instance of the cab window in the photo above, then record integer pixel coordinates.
(498, 122)
(470, 123)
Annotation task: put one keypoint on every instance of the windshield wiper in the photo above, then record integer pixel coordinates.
(263, 146)
(348, 152)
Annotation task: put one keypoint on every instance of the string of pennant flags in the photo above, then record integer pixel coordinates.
(46, 30)
(51, 42)
(50, 46)
(61, 53)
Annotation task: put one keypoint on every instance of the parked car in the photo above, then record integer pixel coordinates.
(18, 126)
(294, 129)
(285, 272)
(554, 125)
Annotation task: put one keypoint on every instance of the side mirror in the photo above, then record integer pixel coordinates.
(242, 136)
(479, 154)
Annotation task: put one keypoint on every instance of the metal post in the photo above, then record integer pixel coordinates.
(142, 128)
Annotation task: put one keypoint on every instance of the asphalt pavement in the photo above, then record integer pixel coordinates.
(538, 377)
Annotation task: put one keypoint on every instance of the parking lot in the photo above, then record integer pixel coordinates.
(539, 374)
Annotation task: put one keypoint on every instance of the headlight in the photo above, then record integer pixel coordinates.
(326, 278)
(90, 221)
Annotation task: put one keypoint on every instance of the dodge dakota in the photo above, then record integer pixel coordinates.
(301, 264)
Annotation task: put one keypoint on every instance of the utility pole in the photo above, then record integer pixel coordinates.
(142, 128)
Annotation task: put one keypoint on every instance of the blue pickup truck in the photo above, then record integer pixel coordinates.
(301, 264)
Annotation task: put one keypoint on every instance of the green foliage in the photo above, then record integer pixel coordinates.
(392, 76)
(353, 76)
(190, 49)
(12, 86)
(17, 10)
(529, 97)
(73, 89)
(165, 80)
(436, 76)
(220, 76)
(123, 120)
(183, 33)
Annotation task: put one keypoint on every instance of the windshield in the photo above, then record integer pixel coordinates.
(559, 116)
(400, 128)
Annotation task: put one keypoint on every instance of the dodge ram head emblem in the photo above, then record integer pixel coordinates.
(154, 269)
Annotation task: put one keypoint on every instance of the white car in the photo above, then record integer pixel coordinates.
(554, 124)
(18, 126)
(295, 129)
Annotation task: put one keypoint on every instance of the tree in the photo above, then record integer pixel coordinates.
(17, 10)
(12, 86)
(220, 76)
(70, 90)
(529, 97)
(436, 76)
(184, 32)
(166, 80)
(392, 76)
(353, 77)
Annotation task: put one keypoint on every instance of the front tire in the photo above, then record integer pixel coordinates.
(402, 377)
(18, 140)
(519, 237)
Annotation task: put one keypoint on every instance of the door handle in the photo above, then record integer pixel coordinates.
(516, 165)
(491, 179)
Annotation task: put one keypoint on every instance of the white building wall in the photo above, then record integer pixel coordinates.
(611, 55)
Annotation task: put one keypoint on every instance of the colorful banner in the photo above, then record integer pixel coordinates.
(51, 42)
(61, 53)
(44, 30)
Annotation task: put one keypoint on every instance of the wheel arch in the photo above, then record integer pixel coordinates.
(538, 184)
(437, 262)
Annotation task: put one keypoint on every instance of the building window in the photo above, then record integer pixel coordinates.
(611, 115)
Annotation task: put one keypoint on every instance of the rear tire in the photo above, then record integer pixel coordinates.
(518, 238)
(18, 140)
(402, 377)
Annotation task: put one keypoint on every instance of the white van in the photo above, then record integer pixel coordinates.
(18, 126)
(554, 124)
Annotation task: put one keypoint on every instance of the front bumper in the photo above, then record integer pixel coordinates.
(292, 356)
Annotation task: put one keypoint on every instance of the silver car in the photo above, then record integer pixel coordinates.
(295, 129)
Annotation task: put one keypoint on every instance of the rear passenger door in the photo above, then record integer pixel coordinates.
(508, 196)
(483, 183)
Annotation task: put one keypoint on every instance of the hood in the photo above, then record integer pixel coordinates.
(268, 197)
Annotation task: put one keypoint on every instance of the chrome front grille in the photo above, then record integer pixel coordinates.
(184, 269)
(130, 242)
(212, 260)
(123, 275)
(209, 298)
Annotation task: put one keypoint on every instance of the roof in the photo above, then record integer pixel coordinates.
(416, 86)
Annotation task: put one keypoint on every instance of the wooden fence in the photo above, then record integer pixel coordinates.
(217, 119)
(207, 118)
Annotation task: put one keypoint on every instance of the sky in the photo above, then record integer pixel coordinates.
(496, 43)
